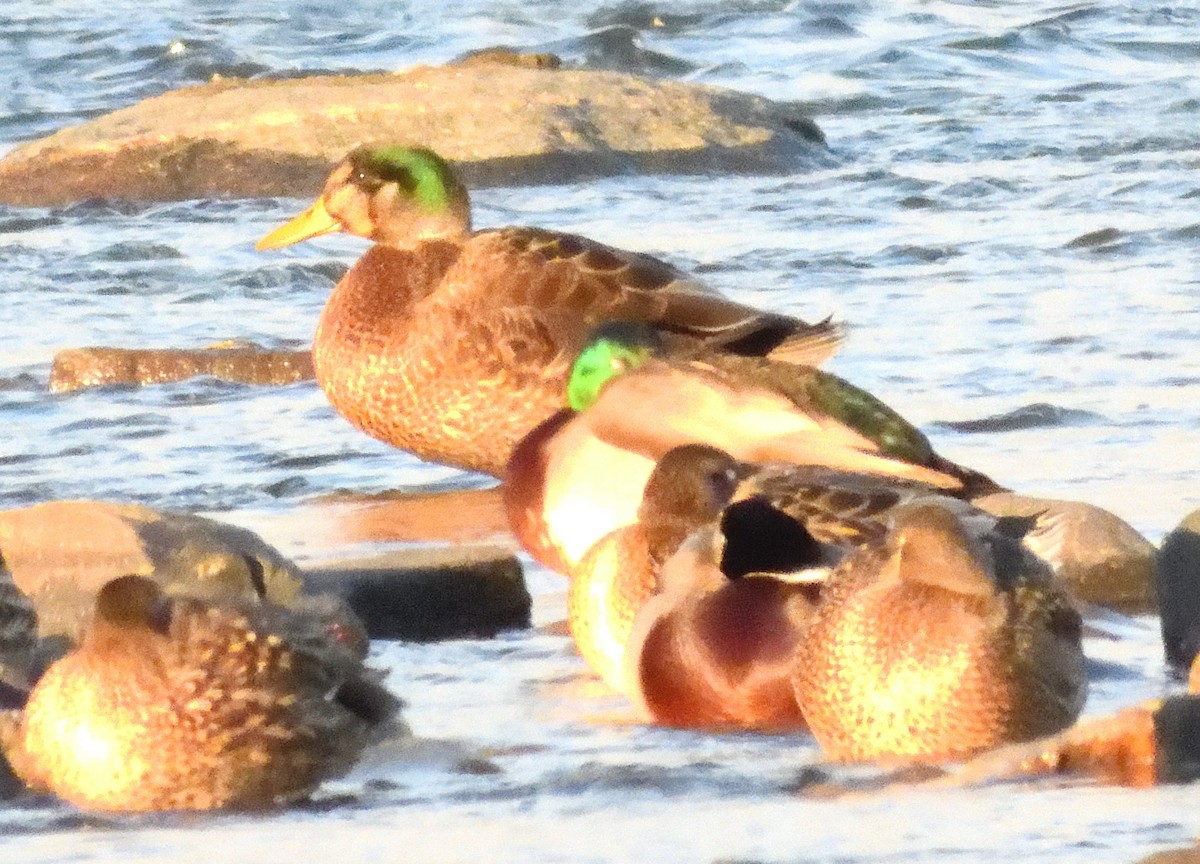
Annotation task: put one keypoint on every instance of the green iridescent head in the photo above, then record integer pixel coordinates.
(425, 178)
(614, 348)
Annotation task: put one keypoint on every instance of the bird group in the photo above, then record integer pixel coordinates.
(751, 542)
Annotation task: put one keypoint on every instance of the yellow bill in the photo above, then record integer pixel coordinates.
(313, 222)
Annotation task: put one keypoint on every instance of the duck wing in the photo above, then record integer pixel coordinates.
(574, 283)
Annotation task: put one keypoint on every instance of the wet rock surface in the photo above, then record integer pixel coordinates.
(1104, 559)
(60, 553)
(432, 593)
(99, 366)
(1178, 583)
(501, 123)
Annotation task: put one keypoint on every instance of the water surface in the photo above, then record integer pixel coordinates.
(1011, 222)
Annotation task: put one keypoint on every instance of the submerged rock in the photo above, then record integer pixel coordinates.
(1144, 745)
(99, 366)
(1103, 559)
(501, 123)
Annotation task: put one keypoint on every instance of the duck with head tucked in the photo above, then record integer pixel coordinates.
(453, 343)
(696, 609)
(581, 473)
(948, 638)
(177, 703)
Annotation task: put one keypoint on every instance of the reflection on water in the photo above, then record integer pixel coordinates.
(1009, 230)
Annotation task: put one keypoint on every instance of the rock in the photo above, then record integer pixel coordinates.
(1104, 560)
(346, 524)
(502, 124)
(507, 56)
(1188, 855)
(61, 552)
(1144, 745)
(98, 366)
(429, 593)
(19, 644)
(10, 724)
(1178, 586)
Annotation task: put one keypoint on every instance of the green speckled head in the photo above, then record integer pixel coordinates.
(424, 177)
(613, 348)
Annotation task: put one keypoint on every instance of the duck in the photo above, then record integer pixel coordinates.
(948, 638)
(172, 702)
(452, 343)
(712, 647)
(773, 518)
(580, 473)
(721, 540)
(619, 573)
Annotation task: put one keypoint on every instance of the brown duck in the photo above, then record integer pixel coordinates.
(453, 343)
(177, 703)
(948, 638)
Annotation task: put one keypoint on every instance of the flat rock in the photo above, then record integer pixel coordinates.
(501, 123)
(1104, 560)
(1179, 592)
(99, 366)
(429, 593)
(60, 553)
(348, 525)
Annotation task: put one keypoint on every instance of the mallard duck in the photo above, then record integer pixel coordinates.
(713, 647)
(948, 638)
(580, 473)
(453, 343)
(737, 540)
(772, 518)
(620, 572)
(177, 703)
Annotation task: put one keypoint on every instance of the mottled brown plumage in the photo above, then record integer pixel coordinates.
(176, 703)
(579, 476)
(946, 639)
(619, 574)
(453, 344)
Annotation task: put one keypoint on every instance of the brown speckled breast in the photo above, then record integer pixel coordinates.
(220, 711)
(453, 383)
(891, 669)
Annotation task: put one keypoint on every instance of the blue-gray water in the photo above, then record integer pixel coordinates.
(1012, 221)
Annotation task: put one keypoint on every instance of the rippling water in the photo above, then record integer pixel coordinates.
(1011, 222)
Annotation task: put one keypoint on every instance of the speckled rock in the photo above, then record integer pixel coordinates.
(429, 593)
(1179, 592)
(61, 552)
(502, 124)
(97, 366)
(1104, 560)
